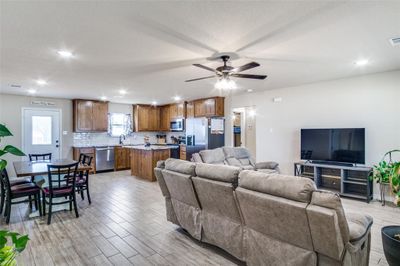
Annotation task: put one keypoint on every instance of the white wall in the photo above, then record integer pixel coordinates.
(370, 101)
(11, 116)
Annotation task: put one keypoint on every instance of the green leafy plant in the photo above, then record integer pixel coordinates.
(9, 253)
(4, 132)
(388, 172)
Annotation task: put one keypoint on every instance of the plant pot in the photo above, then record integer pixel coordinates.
(391, 246)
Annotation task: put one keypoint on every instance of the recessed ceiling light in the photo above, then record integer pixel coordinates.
(122, 92)
(103, 98)
(361, 62)
(31, 91)
(65, 54)
(177, 98)
(41, 82)
(249, 90)
(153, 103)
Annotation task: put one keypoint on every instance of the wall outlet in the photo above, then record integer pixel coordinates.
(65, 132)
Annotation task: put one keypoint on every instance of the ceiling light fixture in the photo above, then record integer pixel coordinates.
(153, 103)
(225, 84)
(31, 91)
(361, 62)
(250, 90)
(103, 98)
(177, 98)
(122, 92)
(41, 82)
(65, 54)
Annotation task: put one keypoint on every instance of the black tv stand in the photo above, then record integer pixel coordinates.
(331, 163)
(349, 181)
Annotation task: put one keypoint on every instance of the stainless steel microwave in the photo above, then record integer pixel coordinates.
(177, 125)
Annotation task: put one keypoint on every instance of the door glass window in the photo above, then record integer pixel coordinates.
(41, 130)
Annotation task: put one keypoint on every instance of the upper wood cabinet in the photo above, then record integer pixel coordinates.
(190, 109)
(165, 118)
(177, 110)
(209, 107)
(90, 116)
(146, 117)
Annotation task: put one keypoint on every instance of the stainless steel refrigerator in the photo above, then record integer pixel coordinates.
(205, 133)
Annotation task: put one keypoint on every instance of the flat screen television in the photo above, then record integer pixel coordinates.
(333, 145)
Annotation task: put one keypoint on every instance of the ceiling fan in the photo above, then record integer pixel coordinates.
(225, 72)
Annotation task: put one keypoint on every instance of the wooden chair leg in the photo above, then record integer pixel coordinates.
(75, 206)
(2, 199)
(70, 203)
(35, 198)
(88, 194)
(8, 211)
(50, 210)
(44, 204)
(30, 202)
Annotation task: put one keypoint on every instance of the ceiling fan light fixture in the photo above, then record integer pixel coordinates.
(225, 84)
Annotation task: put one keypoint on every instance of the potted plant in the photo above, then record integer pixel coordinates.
(389, 172)
(8, 253)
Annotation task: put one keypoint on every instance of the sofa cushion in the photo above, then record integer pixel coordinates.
(290, 187)
(196, 158)
(359, 225)
(223, 173)
(332, 200)
(233, 161)
(266, 165)
(215, 156)
(180, 166)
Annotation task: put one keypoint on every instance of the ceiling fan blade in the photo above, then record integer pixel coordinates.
(208, 68)
(245, 67)
(249, 76)
(189, 80)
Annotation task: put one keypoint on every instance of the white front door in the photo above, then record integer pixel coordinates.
(41, 131)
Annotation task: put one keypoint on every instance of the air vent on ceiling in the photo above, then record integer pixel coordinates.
(15, 86)
(395, 41)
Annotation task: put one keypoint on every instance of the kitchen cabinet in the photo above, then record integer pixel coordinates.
(182, 152)
(177, 110)
(190, 109)
(144, 160)
(165, 118)
(90, 116)
(146, 117)
(209, 107)
(122, 158)
(77, 151)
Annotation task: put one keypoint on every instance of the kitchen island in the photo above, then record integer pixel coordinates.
(144, 159)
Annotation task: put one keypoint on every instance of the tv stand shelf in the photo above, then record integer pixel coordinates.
(348, 181)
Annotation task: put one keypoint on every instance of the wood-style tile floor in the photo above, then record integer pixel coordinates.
(126, 225)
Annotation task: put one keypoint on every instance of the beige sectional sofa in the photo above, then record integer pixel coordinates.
(234, 156)
(261, 218)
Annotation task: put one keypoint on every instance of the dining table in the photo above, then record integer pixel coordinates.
(38, 170)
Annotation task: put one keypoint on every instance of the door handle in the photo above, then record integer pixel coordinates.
(57, 146)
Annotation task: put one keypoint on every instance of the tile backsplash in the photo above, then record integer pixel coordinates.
(95, 139)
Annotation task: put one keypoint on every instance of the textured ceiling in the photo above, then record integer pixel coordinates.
(147, 48)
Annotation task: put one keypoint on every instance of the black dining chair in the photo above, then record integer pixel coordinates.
(39, 157)
(61, 184)
(82, 180)
(13, 182)
(22, 190)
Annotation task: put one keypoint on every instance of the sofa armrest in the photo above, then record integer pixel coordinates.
(266, 165)
(359, 228)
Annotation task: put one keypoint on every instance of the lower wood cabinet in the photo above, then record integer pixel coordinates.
(77, 151)
(122, 158)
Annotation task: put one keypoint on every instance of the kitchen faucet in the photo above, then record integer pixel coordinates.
(121, 138)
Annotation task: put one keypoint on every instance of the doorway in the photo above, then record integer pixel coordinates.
(41, 131)
(244, 131)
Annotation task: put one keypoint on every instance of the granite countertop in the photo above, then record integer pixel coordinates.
(151, 147)
(167, 145)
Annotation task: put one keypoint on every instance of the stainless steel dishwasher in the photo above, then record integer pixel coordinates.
(104, 158)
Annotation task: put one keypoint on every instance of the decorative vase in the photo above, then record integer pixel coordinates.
(391, 246)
